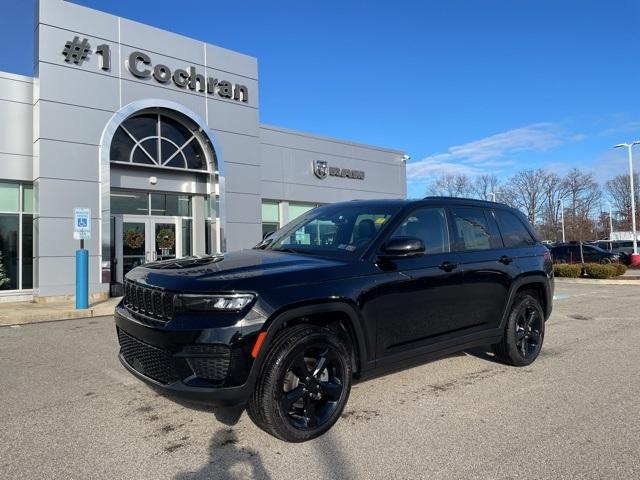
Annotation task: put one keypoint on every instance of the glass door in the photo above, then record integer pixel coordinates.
(165, 238)
(141, 239)
(134, 244)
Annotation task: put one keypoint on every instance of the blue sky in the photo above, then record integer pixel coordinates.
(462, 86)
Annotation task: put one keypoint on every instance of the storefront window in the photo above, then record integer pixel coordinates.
(16, 236)
(186, 236)
(211, 208)
(9, 197)
(270, 217)
(129, 202)
(170, 205)
(27, 198)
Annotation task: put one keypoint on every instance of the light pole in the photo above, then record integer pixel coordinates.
(610, 222)
(493, 195)
(561, 204)
(629, 146)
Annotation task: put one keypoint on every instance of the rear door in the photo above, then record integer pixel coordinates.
(489, 267)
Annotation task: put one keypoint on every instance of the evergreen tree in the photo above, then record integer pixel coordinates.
(4, 278)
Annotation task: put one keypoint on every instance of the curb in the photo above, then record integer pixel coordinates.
(26, 318)
(599, 281)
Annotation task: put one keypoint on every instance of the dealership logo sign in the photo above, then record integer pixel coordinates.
(139, 64)
(321, 169)
(77, 51)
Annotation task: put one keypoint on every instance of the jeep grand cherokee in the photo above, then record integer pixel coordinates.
(343, 292)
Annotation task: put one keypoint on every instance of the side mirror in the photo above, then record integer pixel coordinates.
(267, 235)
(402, 247)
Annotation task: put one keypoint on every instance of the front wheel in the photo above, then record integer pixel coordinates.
(524, 332)
(304, 384)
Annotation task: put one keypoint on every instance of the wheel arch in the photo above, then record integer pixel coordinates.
(538, 283)
(324, 314)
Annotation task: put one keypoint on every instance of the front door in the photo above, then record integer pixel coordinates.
(419, 297)
(142, 239)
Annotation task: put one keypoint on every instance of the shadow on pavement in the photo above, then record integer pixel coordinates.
(331, 457)
(227, 460)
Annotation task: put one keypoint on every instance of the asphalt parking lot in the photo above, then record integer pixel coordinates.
(69, 410)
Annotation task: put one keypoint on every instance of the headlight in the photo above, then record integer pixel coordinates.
(208, 303)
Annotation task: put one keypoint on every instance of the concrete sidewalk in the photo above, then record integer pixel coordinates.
(20, 313)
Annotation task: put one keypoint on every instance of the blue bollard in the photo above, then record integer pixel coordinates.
(82, 278)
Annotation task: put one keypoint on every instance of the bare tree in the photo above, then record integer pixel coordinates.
(450, 186)
(619, 191)
(582, 199)
(485, 184)
(553, 191)
(525, 190)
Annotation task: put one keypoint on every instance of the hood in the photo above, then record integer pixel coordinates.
(242, 270)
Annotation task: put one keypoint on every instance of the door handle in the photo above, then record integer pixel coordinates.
(506, 260)
(447, 266)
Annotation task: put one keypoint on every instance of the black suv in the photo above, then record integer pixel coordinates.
(343, 292)
(591, 254)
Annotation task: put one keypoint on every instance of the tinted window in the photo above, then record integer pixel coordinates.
(472, 228)
(514, 233)
(430, 226)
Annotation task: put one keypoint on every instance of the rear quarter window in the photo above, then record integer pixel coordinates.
(473, 229)
(514, 233)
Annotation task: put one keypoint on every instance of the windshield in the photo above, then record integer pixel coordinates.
(341, 229)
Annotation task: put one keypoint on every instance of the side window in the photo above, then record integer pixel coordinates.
(513, 231)
(430, 226)
(472, 228)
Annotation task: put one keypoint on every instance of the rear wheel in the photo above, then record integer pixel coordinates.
(304, 385)
(524, 332)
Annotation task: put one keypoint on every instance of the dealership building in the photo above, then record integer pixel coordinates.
(159, 136)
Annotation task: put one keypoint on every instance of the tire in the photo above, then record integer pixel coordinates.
(605, 261)
(296, 407)
(524, 332)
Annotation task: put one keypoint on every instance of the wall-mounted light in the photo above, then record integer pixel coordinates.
(153, 180)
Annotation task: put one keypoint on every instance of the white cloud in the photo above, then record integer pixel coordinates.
(489, 152)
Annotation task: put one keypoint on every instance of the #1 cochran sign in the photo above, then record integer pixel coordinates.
(81, 223)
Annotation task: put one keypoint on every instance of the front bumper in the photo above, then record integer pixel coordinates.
(183, 361)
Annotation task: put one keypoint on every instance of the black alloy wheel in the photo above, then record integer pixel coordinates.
(528, 328)
(304, 384)
(524, 332)
(312, 387)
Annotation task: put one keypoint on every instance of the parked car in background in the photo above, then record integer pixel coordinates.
(622, 247)
(570, 253)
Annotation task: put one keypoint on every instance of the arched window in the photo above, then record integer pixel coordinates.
(159, 140)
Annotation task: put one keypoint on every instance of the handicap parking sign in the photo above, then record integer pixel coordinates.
(81, 223)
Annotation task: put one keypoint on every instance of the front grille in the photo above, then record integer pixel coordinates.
(150, 361)
(151, 302)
